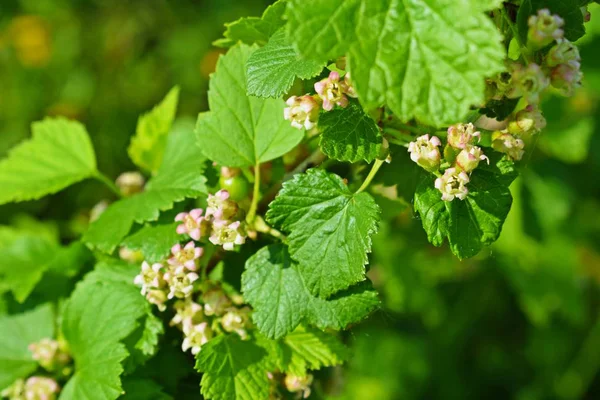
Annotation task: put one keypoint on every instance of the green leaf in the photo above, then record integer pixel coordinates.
(143, 389)
(240, 130)
(96, 318)
(233, 369)
(272, 69)
(348, 134)
(142, 343)
(147, 146)
(179, 177)
(499, 109)
(312, 349)
(472, 223)
(251, 30)
(569, 10)
(277, 291)
(59, 154)
(17, 333)
(425, 60)
(330, 229)
(154, 241)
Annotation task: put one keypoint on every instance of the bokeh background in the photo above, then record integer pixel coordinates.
(521, 320)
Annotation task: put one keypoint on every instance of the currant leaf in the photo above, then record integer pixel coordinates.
(277, 291)
(143, 389)
(271, 70)
(17, 333)
(312, 349)
(58, 155)
(472, 223)
(330, 229)
(179, 177)
(148, 144)
(253, 30)
(239, 130)
(348, 134)
(233, 369)
(154, 241)
(96, 318)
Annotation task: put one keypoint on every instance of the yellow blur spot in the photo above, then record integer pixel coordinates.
(30, 38)
(209, 62)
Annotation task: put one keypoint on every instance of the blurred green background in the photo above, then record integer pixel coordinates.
(520, 321)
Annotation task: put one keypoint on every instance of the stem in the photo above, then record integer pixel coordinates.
(261, 226)
(106, 180)
(372, 173)
(255, 194)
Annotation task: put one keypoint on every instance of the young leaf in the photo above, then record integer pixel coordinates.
(179, 177)
(348, 134)
(154, 241)
(472, 223)
(239, 130)
(251, 30)
(330, 229)
(277, 291)
(273, 68)
(59, 154)
(425, 60)
(569, 10)
(17, 333)
(147, 146)
(233, 369)
(96, 318)
(313, 349)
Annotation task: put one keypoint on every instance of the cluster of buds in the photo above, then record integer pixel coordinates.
(217, 224)
(461, 152)
(52, 355)
(303, 111)
(35, 388)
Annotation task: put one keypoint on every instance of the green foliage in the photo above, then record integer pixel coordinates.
(348, 134)
(154, 241)
(148, 145)
(277, 290)
(472, 223)
(330, 229)
(273, 68)
(414, 57)
(239, 130)
(17, 332)
(179, 177)
(58, 155)
(251, 30)
(143, 389)
(567, 9)
(313, 349)
(96, 318)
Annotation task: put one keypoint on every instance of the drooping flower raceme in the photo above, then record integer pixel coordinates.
(302, 111)
(425, 152)
(185, 256)
(453, 184)
(468, 159)
(332, 91)
(462, 135)
(544, 28)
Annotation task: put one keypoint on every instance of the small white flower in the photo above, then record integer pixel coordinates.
(508, 144)
(196, 336)
(227, 234)
(180, 283)
(157, 297)
(303, 111)
(528, 120)
(193, 223)
(49, 353)
(235, 320)
(332, 91)
(563, 52)
(41, 388)
(544, 28)
(151, 277)
(529, 82)
(462, 135)
(295, 383)
(424, 151)
(468, 159)
(453, 184)
(187, 312)
(220, 206)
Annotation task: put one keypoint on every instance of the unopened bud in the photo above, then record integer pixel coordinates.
(236, 320)
(528, 120)
(295, 383)
(561, 53)
(130, 183)
(215, 302)
(567, 77)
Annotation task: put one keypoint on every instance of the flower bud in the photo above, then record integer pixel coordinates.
(544, 28)
(528, 120)
(563, 52)
(468, 159)
(131, 256)
(302, 111)
(453, 184)
(462, 135)
(235, 320)
(425, 152)
(186, 256)
(220, 206)
(528, 82)
(331, 91)
(567, 77)
(294, 383)
(130, 183)
(196, 336)
(41, 388)
(227, 234)
(215, 302)
(508, 144)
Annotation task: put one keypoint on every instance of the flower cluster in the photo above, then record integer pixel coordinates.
(34, 388)
(461, 153)
(303, 111)
(52, 355)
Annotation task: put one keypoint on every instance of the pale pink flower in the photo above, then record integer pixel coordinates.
(468, 158)
(227, 234)
(303, 111)
(424, 151)
(453, 184)
(462, 135)
(193, 223)
(185, 256)
(220, 206)
(331, 91)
